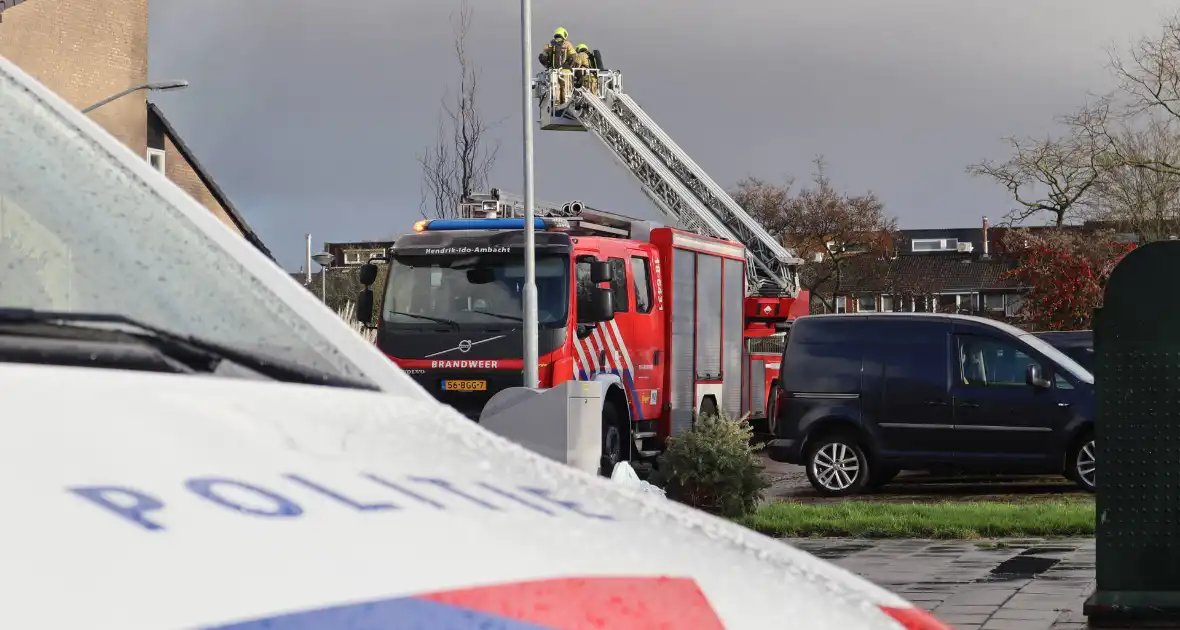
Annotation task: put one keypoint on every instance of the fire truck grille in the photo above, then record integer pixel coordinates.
(469, 403)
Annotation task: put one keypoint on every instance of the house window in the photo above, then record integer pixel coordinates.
(993, 302)
(155, 158)
(947, 304)
(934, 244)
(841, 304)
(866, 304)
(886, 303)
(360, 256)
(1012, 305)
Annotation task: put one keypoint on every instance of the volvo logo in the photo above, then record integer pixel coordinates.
(464, 346)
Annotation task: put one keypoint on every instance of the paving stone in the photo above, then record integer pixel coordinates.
(958, 621)
(1016, 624)
(981, 597)
(950, 609)
(1029, 615)
(923, 597)
(1035, 602)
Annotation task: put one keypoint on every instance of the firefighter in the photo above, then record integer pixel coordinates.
(559, 55)
(584, 69)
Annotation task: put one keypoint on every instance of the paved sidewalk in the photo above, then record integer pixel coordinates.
(975, 585)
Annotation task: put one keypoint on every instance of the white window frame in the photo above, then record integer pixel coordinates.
(360, 256)
(939, 244)
(859, 304)
(887, 304)
(841, 304)
(156, 153)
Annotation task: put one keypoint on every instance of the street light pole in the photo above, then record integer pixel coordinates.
(323, 259)
(159, 86)
(530, 270)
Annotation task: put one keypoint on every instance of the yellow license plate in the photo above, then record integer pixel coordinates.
(465, 386)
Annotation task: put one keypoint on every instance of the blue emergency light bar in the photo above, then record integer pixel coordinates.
(477, 224)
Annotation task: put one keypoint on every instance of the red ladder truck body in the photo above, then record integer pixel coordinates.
(675, 339)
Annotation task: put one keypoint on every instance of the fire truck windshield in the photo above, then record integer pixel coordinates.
(481, 290)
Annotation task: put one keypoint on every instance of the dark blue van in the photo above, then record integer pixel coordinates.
(861, 397)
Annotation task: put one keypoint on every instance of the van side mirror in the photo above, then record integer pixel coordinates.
(1035, 378)
(601, 272)
(368, 274)
(600, 307)
(364, 306)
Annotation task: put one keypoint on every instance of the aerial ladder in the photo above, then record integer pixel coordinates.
(677, 185)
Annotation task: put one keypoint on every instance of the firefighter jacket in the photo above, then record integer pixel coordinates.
(557, 55)
(583, 60)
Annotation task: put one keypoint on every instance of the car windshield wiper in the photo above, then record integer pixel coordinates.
(188, 349)
(500, 315)
(449, 322)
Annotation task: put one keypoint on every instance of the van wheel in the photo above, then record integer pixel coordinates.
(1082, 462)
(612, 440)
(837, 466)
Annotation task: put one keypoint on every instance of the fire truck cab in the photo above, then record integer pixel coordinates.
(656, 314)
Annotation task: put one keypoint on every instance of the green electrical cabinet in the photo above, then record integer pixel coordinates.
(1137, 426)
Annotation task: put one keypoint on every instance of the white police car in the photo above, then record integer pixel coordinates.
(189, 439)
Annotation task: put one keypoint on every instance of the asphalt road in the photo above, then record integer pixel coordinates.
(790, 482)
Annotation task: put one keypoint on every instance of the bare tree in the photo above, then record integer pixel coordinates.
(1051, 175)
(1134, 197)
(1149, 73)
(827, 228)
(461, 159)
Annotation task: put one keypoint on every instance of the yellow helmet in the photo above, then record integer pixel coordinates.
(562, 33)
(582, 47)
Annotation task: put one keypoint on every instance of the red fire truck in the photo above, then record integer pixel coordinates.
(659, 315)
(675, 321)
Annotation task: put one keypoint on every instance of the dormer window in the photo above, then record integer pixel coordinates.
(934, 244)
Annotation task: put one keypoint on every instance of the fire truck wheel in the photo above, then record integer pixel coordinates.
(837, 465)
(612, 439)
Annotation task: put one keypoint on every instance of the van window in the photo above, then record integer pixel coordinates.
(992, 362)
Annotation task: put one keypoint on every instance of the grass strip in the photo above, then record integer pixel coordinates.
(968, 520)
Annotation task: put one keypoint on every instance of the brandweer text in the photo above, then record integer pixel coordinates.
(464, 364)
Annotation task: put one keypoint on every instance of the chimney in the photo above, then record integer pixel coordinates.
(986, 247)
(307, 263)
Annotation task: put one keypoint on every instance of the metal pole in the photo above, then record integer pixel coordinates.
(324, 283)
(530, 270)
(157, 85)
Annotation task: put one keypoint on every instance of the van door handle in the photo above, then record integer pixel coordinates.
(1062, 404)
(936, 403)
(969, 405)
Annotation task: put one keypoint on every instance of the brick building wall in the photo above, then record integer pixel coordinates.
(178, 169)
(88, 50)
(85, 50)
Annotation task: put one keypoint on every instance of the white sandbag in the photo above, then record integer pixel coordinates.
(625, 475)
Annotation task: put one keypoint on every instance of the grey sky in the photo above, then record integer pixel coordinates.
(310, 113)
